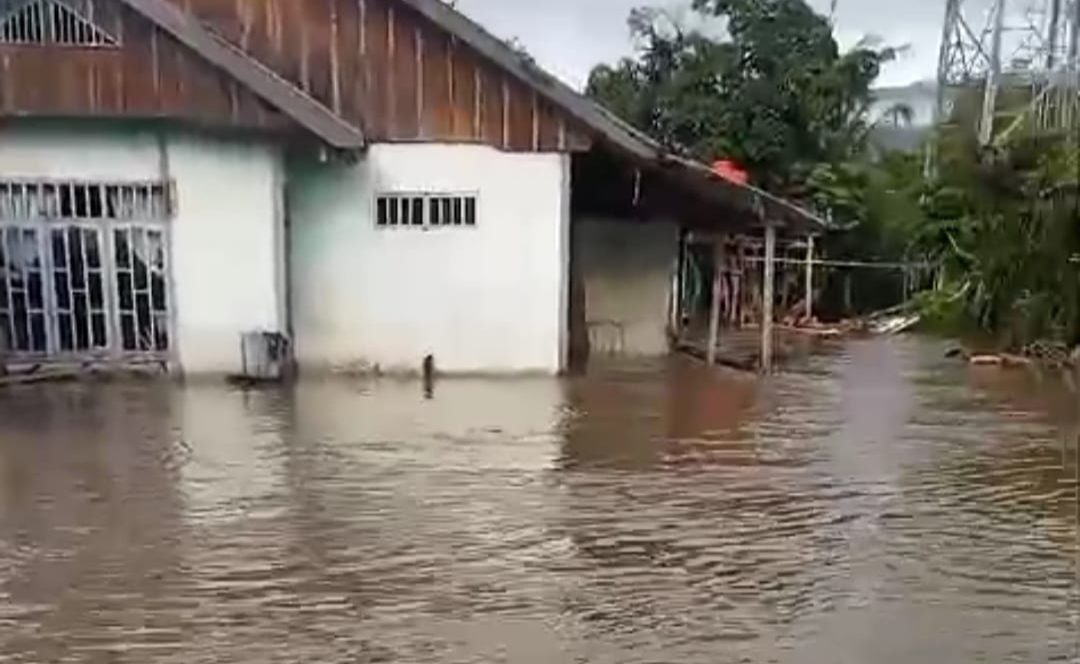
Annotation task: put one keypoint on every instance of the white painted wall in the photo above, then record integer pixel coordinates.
(228, 256)
(486, 299)
(626, 268)
(227, 235)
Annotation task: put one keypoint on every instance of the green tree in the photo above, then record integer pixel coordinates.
(1005, 227)
(777, 96)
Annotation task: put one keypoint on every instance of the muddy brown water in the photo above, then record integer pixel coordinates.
(879, 504)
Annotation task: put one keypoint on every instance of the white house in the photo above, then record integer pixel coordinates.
(377, 181)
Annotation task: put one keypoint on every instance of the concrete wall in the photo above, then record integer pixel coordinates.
(487, 299)
(227, 236)
(228, 248)
(626, 268)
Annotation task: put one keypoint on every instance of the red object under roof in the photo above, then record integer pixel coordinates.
(731, 171)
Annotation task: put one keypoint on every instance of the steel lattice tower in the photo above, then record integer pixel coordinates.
(987, 44)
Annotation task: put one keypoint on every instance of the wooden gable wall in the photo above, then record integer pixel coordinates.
(147, 75)
(381, 66)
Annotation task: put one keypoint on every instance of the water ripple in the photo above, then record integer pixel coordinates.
(882, 504)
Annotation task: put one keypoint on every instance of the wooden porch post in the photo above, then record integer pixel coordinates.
(714, 310)
(768, 297)
(809, 277)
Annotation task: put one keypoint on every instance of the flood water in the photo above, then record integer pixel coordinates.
(880, 504)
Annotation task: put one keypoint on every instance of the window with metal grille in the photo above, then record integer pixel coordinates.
(23, 317)
(52, 22)
(83, 201)
(84, 268)
(425, 211)
(141, 287)
(79, 287)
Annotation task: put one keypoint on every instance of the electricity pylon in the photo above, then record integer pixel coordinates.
(989, 45)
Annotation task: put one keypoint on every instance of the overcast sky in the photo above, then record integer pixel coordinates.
(568, 37)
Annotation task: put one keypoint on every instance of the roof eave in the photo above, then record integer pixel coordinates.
(554, 90)
(253, 75)
(767, 207)
(609, 127)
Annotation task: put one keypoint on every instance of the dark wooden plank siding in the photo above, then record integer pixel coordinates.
(491, 106)
(141, 69)
(377, 68)
(382, 66)
(349, 71)
(376, 63)
(290, 39)
(465, 121)
(317, 41)
(547, 122)
(437, 68)
(148, 75)
(405, 115)
(519, 105)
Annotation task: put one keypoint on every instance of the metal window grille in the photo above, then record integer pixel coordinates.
(426, 211)
(83, 268)
(22, 291)
(141, 287)
(52, 22)
(83, 201)
(79, 287)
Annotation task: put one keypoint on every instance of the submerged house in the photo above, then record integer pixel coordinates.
(377, 181)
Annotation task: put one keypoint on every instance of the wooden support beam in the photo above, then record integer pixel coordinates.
(714, 310)
(809, 277)
(768, 298)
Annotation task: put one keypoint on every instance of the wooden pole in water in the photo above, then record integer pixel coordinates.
(849, 298)
(768, 298)
(809, 277)
(714, 310)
